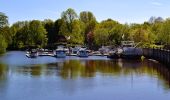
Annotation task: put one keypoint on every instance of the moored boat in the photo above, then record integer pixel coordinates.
(83, 53)
(130, 51)
(113, 54)
(60, 52)
(32, 53)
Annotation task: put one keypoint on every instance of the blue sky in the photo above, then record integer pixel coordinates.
(124, 11)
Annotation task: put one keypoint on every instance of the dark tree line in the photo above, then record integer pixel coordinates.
(82, 29)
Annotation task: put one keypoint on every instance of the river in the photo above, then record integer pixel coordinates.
(73, 78)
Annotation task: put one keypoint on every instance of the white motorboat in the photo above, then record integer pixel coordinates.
(60, 52)
(32, 54)
(83, 53)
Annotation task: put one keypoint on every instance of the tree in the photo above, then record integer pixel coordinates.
(5, 31)
(5, 35)
(37, 33)
(125, 32)
(115, 34)
(164, 34)
(139, 33)
(108, 32)
(71, 27)
(83, 30)
(58, 25)
(155, 31)
(101, 36)
(69, 16)
(28, 33)
(50, 28)
(77, 36)
(19, 34)
(89, 21)
(3, 20)
(153, 19)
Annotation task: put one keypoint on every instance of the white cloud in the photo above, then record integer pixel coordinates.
(156, 3)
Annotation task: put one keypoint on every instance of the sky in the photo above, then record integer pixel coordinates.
(124, 11)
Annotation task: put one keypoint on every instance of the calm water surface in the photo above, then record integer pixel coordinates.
(93, 78)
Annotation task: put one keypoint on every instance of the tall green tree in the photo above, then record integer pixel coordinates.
(71, 27)
(28, 33)
(108, 32)
(19, 36)
(116, 34)
(156, 31)
(69, 16)
(164, 34)
(139, 33)
(101, 36)
(50, 28)
(3, 20)
(5, 35)
(77, 36)
(37, 33)
(5, 31)
(90, 22)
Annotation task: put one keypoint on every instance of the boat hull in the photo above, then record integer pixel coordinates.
(31, 55)
(60, 54)
(113, 56)
(83, 56)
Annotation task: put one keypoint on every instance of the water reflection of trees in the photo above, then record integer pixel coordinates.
(163, 73)
(73, 69)
(3, 71)
(34, 70)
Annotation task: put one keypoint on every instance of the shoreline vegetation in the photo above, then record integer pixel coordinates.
(83, 29)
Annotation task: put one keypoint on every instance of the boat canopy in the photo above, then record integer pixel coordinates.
(128, 43)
